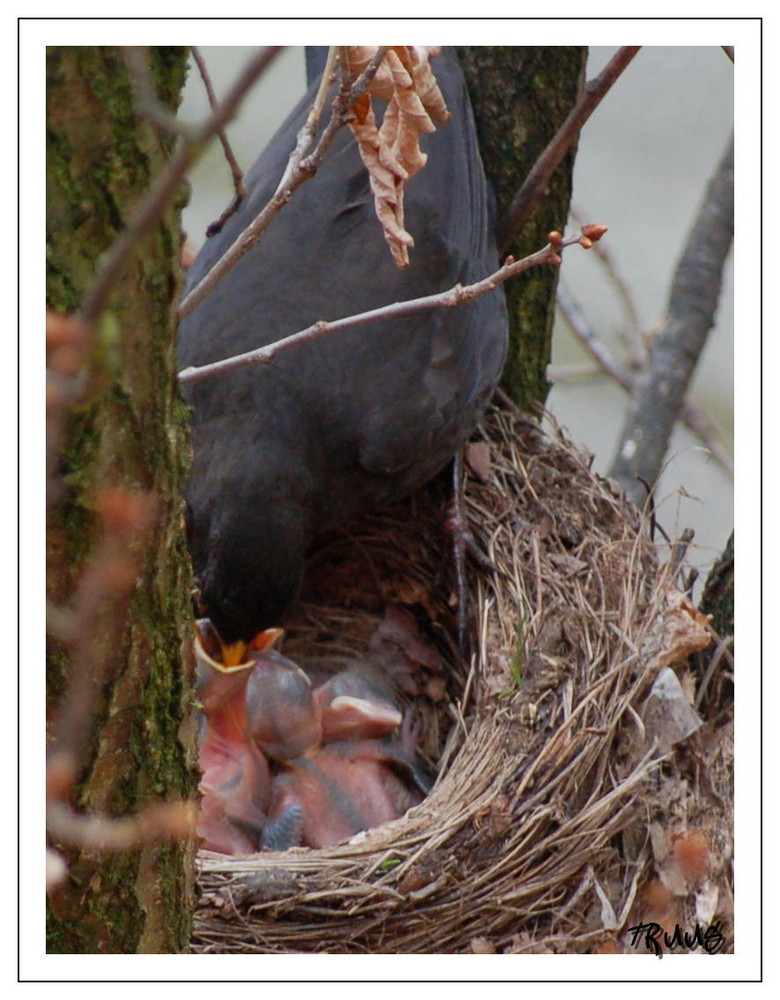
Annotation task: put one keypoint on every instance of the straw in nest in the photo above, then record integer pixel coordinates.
(560, 816)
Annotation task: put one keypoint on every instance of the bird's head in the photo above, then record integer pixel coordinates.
(249, 566)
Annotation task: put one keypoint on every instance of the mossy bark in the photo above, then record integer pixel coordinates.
(520, 96)
(718, 596)
(717, 600)
(129, 430)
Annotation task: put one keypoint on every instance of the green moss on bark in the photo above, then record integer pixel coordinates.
(521, 95)
(129, 429)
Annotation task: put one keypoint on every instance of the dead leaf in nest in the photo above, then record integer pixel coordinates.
(571, 528)
(680, 630)
(682, 858)
(482, 946)
(391, 152)
(667, 714)
(399, 649)
(608, 946)
(655, 902)
(400, 628)
(685, 629)
(494, 819)
(423, 873)
(545, 525)
(412, 592)
(525, 944)
(477, 457)
(436, 688)
(567, 564)
(707, 899)
(691, 853)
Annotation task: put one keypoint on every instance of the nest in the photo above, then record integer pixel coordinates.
(564, 812)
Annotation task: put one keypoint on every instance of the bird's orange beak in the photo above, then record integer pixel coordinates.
(265, 639)
(233, 654)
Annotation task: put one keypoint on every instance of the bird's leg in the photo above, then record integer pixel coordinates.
(463, 541)
(456, 524)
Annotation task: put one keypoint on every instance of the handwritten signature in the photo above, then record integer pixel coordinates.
(656, 939)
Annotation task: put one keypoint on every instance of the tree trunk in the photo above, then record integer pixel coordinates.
(520, 96)
(129, 430)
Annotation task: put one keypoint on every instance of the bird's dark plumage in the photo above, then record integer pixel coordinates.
(353, 420)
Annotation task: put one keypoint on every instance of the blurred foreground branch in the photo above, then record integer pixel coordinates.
(148, 210)
(120, 734)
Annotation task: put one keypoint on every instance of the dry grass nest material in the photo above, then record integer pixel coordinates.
(563, 813)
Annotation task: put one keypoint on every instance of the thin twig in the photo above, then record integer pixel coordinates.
(536, 181)
(460, 294)
(632, 334)
(307, 132)
(704, 429)
(590, 340)
(679, 551)
(239, 186)
(150, 208)
(304, 169)
(693, 417)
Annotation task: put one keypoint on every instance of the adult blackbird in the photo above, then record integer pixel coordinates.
(355, 420)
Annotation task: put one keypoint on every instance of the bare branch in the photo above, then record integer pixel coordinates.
(590, 340)
(549, 254)
(239, 186)
(537, 179)
(660, 390)
(609, 364)
(295, 174)
(149, 210)
(632, 334)
(306, 135)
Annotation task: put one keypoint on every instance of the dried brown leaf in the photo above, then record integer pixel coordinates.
(682, 630)
(400, 629)
(667, 714)
(568, 564)
(436, 689)
(415, 60)
(477, 456)
(685, 627)
(391, 152)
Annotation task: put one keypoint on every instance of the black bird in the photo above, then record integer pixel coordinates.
(354, 420)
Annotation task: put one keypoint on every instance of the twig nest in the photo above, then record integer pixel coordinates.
(536, 835)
